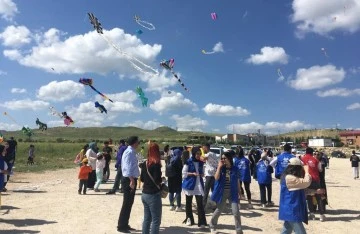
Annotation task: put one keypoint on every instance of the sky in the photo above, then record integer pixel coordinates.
(277, 66)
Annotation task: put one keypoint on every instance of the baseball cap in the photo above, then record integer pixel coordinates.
(294, 162)
(85, 160)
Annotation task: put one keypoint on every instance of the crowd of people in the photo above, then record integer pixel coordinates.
(213, 181)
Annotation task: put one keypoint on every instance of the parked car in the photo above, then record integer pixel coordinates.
(216, 150)
(338, 154)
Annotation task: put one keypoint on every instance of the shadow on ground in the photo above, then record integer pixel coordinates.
(26, 222)
(29, 191)
(13, 231)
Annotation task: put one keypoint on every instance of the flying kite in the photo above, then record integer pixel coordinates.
(1, 138)
(136, 63)
(213, 16)
(27, 131)
(144, 24)
(54, 112)
(168, 65)
(89, 82)
(218, 47)
(100, 107)
(281, 77)
(324, 51)
(42, 126)
(144, 100)
(67, 119)
(139, 31)
(95, 22)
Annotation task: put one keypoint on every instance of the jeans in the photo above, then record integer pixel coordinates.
(220, 208)
(200, 210)
(177, 197)
(312, 206)
(106, 171)
(209, 184)
(99, 177)
(118, 180)
(82, 183)
(356, 172)
(152, 213)
(247, 189)
(128, 201)
(288, 227)
(263, 188)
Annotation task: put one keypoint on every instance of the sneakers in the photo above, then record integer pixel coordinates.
(110, 192)
(172, 208)
(179, 209)
(311, 216)
(188, 222)
(270, 203)
(322, 218)
(263, 205)
(239, 231)
(213, 230)
(250, 206)
(202, 226)
(97, 190)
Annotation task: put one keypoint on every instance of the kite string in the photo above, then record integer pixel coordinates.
(129, 58)
(11, 118)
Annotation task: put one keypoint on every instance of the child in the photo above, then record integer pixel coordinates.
(264, 171)
(84, 175)
(100, 165)
(31, 155)
(292, 207)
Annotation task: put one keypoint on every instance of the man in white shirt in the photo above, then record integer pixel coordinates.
(211, 163)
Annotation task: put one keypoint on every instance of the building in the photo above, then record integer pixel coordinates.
(350, 138)
(322, 142)
(235, 138)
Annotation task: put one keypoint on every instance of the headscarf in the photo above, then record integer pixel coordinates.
(176, 154)
(93, 147)
(194, 150)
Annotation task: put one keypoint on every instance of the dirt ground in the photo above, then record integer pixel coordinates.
(49, 203)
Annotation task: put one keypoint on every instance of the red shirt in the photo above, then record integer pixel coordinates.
(84, 172)
(313, 164)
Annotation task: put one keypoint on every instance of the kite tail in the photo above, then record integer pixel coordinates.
(11, 118)
(132, 58)
(146, 25)
(204, 52)
(100, 93)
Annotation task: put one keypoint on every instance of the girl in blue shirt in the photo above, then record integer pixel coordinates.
(243, 165)
(264, 171)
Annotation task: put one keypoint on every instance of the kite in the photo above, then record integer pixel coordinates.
(281, 77)
(1, 138)
(218, 47)
(144, 24)
(213, 16)
(144, 100)
(27, 131)
(136, 63)
(54, 112)
(324, 51)
(168, 65)
(95, 22)
(100, 107)
(42, 126)
(67, 119)
(139, 31)
(89, 82)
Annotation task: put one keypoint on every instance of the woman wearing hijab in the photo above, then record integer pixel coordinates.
(174, 174)
(226, 189)
(92, 157)
(3, 169)
(193, 185)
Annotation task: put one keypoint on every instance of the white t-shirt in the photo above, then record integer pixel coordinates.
(211, 164)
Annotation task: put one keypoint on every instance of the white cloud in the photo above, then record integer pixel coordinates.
(87, 53)
(127, 96)
(353, 106)
(18, 90)
(9, 127)
(15, 36)
(158, 83)
(339, 92)
(354, 70)
(173, 101)
(225, 110)
(25, 104)
(269, 55)
(3, 73)
(55, 123)
(149, 125)
(189, 123)
(8, 9)
(324, 16)
(317, 77)
(218, 47)
(269, 127)
(61, 91)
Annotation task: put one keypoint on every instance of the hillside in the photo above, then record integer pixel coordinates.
(327, 133)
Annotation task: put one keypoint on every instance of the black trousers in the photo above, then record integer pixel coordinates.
(82, 183)
(209, 184)
(128, 201)
(312, 207)
(200, 210)
(263, 188)
(92, 179)
(247, 189)
(106, 171)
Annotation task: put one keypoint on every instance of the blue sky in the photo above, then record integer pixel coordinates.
(237, 88)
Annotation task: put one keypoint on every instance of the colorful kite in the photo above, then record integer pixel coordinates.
(168, 65)
(218, 47)
(89, 82)
(214, 16)
(281, 77)
(144, 24)
(136, 63)
(1, 138)
(100, 107)
(139, 31)
(27, 131)
(67, 119)
(144, 100)
(324, 51)
(42, 126)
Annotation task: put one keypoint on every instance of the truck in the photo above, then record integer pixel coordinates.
(320, 142)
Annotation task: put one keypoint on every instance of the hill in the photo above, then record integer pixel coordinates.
(305, 134)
